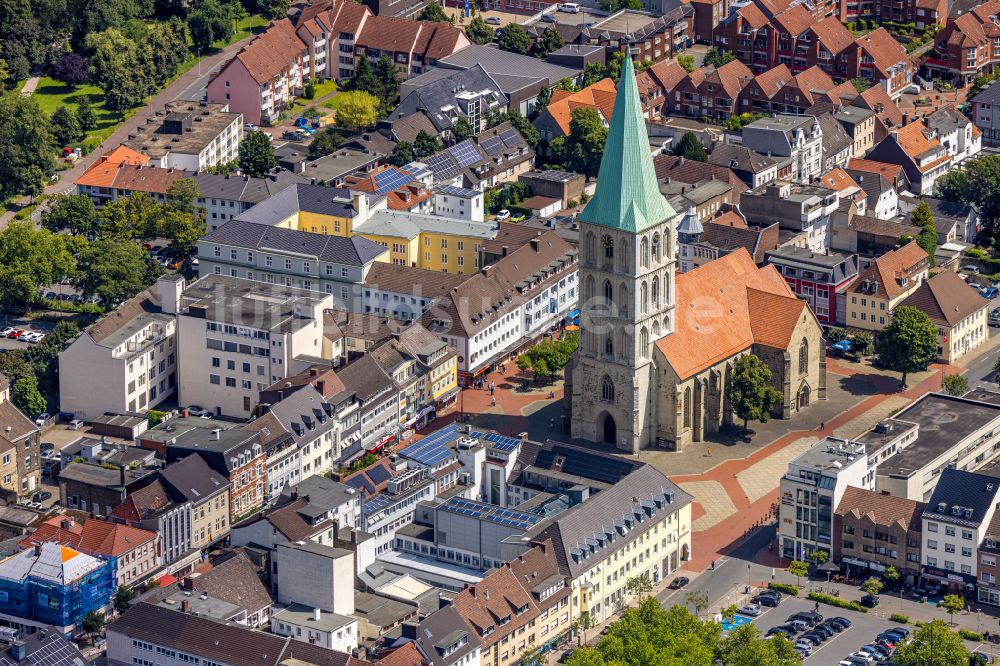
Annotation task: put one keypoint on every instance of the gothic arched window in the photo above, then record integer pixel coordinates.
(589, 290)
(656, 246)
(609, 346)
(608, 389)
(623, 300)
(643, 297)
(590, 248)
(804, 356)
(623, 255)
(687, 407)
(644, 252)
(643, 341)
(609, 292)
(655, 293)
(609, 248)
(656, 330)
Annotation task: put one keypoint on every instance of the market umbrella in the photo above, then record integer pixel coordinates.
(829, 568)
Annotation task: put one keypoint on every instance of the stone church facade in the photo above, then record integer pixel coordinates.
(656, 347)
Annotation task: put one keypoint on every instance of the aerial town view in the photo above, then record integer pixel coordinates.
(499, 333)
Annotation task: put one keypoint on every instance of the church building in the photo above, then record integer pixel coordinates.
(657, 347)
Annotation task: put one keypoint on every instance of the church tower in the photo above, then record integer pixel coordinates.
(628, 251)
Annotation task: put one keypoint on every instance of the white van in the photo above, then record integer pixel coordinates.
(569, 8)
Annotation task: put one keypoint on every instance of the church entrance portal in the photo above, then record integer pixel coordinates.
(610, 430)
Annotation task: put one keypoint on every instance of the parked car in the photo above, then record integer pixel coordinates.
(750, 610)
(36, 337)
(15, 333)
(547, 18)
(842, 621)
(994, 318)
(990, 292)
(493, 20)
(809, 617)
(796, 625)
(41, 496)
(7, 331)
(768, 600)
(569, 8)
(869, 601)
(972, 268)
(47, 447)
(517, 218)
(788, 633)
(42, 418)
(812, 637)
(201, 412)
(503, 215)
(679, 582)
(75, 424)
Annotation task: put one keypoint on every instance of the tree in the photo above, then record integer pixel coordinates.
(122, 68)
(462, 129)
(737, 122)
(863, 343)
(388, 80)
(798, 568)
(872, 586)
(549, 41)
(426, 145)
(716, 57)
(27, 396)
(72, 69)
(324, 143)
(273, 9)
(520, 123)
(697, 600)
(819, 556)
(25, 142)
(478, 31)
(927, 238)
(956, 385)
(210, 22)
(183, 221)
(93, 622)
(434, 12)
(933, 644)
(256, 154)
(908, 343)
(513, 38)
(687, 62)
(891, 574)
(73, 212)
(542, 100)
(364, 77)
(29, 260)
(977, 184)
(953, 603)
(745, 647)
(85, 117)
(134, 216)
(750, 390)
(309, 92)
(690, 147)
(617, 5)
(34, 182)
(356, 109)
(402, 154)
(615, 63)
(860, 84)
(123, 595)
(112, 270)
(65, 127)
(639, 586)
(582, 149)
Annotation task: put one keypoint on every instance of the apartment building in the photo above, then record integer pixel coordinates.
(20, 455)
(712, 92)
(253, 332)
(986, 114)
(797, 137)
(873, 531)
(779, 90)
(885, 284)
(805, 209)
(959, 313)
(955, 522)
(375, 421)
(129, 353)
(955, 132)
(859, 123)
(987, 589)
(236, 455)
(821, 280)
(656, 34)
(263, 78)
(879, 58)
(207, 491)
(189, 135)
(153, 507)
(811, 490)
(968, 45)
(915, 147)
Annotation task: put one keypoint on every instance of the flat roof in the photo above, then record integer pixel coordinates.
(203, 121)
(943, 422)
(626, 21)
(249, 303)
(402, 224)
(831, 454)
(302, 615)
(807, 256)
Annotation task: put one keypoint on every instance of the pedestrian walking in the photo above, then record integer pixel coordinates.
(493, 401)
(713, 565)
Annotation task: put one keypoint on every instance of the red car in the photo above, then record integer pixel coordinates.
(15, 334)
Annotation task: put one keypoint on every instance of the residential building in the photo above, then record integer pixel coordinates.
(97, 181)
(208, 493)
(954, 524)
(399, 293)
(459, 203)
(966, 46)
(669, 169)
(413, 46)
(957, 133)
(93, 488)
(837, 145)
(754, 169)
(262, 79)
(445, 639)
(376, 418)
(471, 94)
(848, 190)
(885, 284)
(147, 630)
(401, 192)
(47, 644)
(720, 237)
(797, 137)
(801, 208)
(712, 92)
(253, 332)
(152, 507)
(821, 280)
(224, 197)
(879, 58)
(917, 149)
(881, 198)
(20, 455)
(959, 313)
(553, 121)
(986, 113)
(189, 135)
(873, 531)
(708, 198)
(130, 353)
(236, 455)
(658, 33)
(330, 584)
(313, 625)
(656, 86)
(859, 123)
(812, 489)
(53, 585)
(987, 590)
(562, 185)
(953, 221)
(388, 509)
(493, 157)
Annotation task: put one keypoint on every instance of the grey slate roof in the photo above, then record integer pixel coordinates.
(446, 622)
(234, 580)
(364, 377)
(322, 492)
(302, 197)
(947, 119)
(356, 251)
(989, 95)
(948, 210)
(835, 139)
(435, 96)
(495, 61)
(874, 184)
(304, 413)
(740, 158)
(967, 490)
(194, 479)
(573, 531)
(243, 188)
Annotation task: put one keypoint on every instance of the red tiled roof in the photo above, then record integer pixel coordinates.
(732, 76)
(599, 96)
(773, 80)
(883, 48)
(52, 530)
(112, 539)
(877, 99)
(752, 14)
(270, 52)
(146, 179)
(889, 269)
(882, 509)
(794, 21)
(102, 172)
(914, 142)
(832, 35)
(890, 171)
(719, 312)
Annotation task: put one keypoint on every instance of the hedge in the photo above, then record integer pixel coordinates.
(899, 617)
(836, 601)
(784, 589)
(970, 635)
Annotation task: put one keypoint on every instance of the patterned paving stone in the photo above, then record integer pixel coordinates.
(762, 477)
(714, 499)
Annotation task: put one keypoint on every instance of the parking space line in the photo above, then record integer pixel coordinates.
(827, 643)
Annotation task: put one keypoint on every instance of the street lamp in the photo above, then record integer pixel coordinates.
(748, 578)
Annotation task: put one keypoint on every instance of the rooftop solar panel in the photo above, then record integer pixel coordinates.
(510, 137)
(492, 145)
(378, 474)
(499, 442)
(390, 179)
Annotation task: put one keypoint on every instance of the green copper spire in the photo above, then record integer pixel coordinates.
(627, 195)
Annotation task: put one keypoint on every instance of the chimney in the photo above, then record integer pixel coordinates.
(320, 385)
(215, 434)
(317, 614)
(38, 550)
(121, 474)
(188, 583)
(185, 606)
(313, 372)
(503, 251)
(65, 523)
(169, 289)
(18, 650)
(354, 537)
(336, 532)
(534, 244)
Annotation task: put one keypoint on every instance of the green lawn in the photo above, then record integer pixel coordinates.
(246, 27)
(51, 94)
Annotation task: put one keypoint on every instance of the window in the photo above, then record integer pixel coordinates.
(804, 356)
(608, 389)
